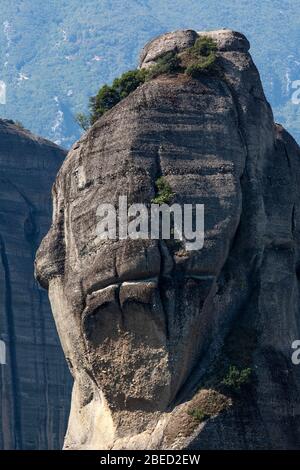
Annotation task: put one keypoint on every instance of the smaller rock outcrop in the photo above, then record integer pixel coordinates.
(34, 382)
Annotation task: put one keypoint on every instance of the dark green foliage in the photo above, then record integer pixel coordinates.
(204, 46)
(204, 65)
(108, 96)
(199, 415)
(203, 57)
(236, 378)
(169, 63)
(128, 82)
(164, 193)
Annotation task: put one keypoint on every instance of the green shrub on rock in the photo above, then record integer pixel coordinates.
(236, 378)
(128, 82)
(202, 57)
(164, 192)
(204, 46)
(106, 98)
(193, 61)
(169, 63)
(203, 65)
(199, 415)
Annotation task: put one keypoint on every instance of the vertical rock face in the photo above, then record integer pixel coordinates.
(157, 337)
(34, 382)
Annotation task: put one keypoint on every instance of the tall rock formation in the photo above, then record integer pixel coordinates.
(34, 382)
(171, 348)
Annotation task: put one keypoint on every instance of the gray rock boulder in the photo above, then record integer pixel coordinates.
(171, 348)
(178, 41)
(34, 382)
(169, 42)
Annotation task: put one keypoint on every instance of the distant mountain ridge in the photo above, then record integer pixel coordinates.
(55, 55)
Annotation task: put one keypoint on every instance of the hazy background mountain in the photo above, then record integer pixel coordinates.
(55, 54)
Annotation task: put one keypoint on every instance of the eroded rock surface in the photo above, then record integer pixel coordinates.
(150, 331)
(34, 382)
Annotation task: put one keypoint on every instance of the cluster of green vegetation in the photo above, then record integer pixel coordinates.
(199, 415)
(206, 64)
(204, 46)
(168, 63)
(236, 379)
(164, 193)
(202, 57)
(219, 396)
(193, 61)
(233, 374)
(208, 403)
(108, 96)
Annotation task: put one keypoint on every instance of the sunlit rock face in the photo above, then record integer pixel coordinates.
(144, 323)
(34, 382)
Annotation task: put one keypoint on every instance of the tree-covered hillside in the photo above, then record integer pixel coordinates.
(56, 54)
